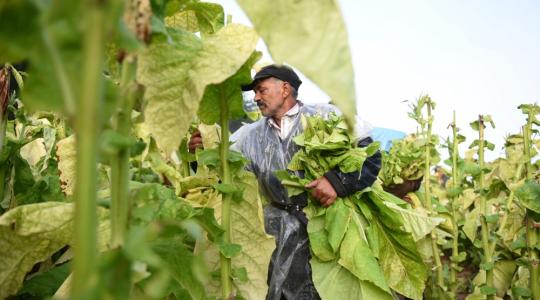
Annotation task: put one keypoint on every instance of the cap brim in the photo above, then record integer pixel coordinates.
(249, 87)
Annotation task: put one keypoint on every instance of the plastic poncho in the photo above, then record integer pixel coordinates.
(289, 271)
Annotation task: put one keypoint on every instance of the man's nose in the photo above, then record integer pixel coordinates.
(257, 97)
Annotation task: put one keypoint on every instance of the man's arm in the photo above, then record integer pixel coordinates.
(336, 183)
(346, 184)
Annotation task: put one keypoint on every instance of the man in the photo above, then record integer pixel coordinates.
(268, 145)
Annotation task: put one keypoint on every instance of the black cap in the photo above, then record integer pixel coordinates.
(280, 72)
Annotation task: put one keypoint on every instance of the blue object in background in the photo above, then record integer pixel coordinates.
(385, 136)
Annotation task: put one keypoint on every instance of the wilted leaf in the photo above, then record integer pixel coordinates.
(66, 153)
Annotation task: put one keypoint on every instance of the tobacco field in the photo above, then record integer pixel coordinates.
(100, 197)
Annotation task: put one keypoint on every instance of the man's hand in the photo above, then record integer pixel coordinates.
(195, 141)
(323, 191)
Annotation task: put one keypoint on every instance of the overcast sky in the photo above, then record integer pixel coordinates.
(470, 56)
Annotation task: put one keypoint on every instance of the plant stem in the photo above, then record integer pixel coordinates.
(530, 230)
(120, 162)
(455, 232)
(427, 190)
(483, 207)
(293, 184)
(87, 128)
(226, 283)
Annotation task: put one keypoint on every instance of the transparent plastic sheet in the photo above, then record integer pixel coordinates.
(289, 272)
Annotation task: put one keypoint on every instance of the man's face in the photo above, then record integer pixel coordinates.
(269, 96)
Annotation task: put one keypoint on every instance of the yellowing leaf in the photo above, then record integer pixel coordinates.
(32, 233)
(311, 36)
(66, 153)
(177, 72)
(210, 135)
(416, 221)
(33, 151)
(502, 273)
(186, 20)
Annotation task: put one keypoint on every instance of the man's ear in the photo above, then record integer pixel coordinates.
(286, 90)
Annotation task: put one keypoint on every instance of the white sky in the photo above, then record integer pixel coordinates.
(474, 57)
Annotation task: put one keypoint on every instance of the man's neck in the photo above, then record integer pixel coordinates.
(288, 105)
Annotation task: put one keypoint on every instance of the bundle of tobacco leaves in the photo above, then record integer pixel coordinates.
(406, 160)
(363, 245)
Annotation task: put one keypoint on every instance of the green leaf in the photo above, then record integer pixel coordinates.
(323, 34)
(318, 239)
(230, 89)
(492, 219)
(521, 291)
(240, 274)
(529, 195)
(180, 262)
(333, 281)
(357, 257)
(112, 142)
(208, 157)
(210, 16)
(229, 250)
(488, 290)
(225, 188)
(46, 284)
(337, 220)
(487, 266)
(177, 72)
(400, 260)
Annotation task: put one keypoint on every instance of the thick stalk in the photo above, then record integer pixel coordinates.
(226, 283)
(87, 127)
(455, 232)
(120, 162)
(483, 207)
(530, 229)
(427, 191)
